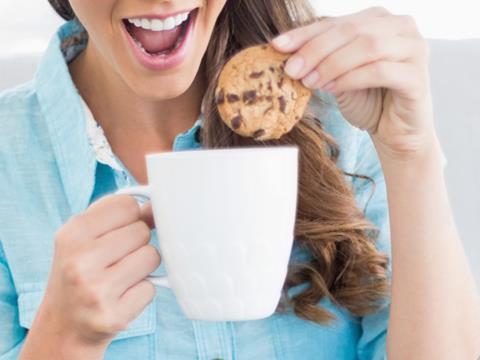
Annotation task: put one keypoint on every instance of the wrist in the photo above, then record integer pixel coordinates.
(47, 338)
(423, 153)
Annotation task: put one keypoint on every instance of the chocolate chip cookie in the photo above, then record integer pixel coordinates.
(255, 97)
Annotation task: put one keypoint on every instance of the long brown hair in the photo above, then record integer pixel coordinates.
(345, 265)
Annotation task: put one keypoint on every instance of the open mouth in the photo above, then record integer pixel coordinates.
(159, 37)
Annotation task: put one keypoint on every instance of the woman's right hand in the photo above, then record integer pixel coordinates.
(97, 283)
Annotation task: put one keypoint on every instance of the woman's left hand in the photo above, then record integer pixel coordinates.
(376, 64)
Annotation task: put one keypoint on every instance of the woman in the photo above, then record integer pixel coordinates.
(73, 259)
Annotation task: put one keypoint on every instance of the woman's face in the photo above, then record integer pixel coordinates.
(155, 47)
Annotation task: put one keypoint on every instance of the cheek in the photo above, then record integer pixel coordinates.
(218, 5)
(212, 10)
(96, 16)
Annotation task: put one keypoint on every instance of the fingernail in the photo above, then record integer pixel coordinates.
(294, 65)
(311, 79)
(282, 40)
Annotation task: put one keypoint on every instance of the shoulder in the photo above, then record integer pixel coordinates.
(22, 126)
(18, 110)
(24, 138)
(17, 98)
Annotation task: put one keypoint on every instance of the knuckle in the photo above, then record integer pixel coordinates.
(151, 291)
(93, 298)
(131, 207)
(373, 43)
(75, 273)
(379, 10)
(152, 254)
(350, 28)
(408, 21)
(76, 227)
(107, 323)
(143, 231)
(120, 325)
(73, 228)
(60, 238)
(148, 292)
(381, 69)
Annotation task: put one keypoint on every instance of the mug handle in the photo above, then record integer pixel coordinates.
(145, 192)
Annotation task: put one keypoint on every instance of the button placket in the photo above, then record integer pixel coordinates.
(212, 340)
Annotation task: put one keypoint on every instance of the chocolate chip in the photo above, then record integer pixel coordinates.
(283, 104)
(258, 133)
(236, 122)
(272, 69)
(250, 97)
(269, 98)
(280, 82)
(220, 97)
(256, 75)
(231, 98)
(270, 86)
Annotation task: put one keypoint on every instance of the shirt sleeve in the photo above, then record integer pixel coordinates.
(373, 201)
(12, 335)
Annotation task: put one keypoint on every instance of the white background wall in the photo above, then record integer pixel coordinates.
(29, 32)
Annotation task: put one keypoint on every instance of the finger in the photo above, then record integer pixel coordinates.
(361, 51)
(147, 215)
(132, 269)
(296, 38)
(401, 77)
(115, 245)
(135, 299)
(326, 43)
(109, 213)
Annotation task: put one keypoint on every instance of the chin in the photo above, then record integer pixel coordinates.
(163, 89)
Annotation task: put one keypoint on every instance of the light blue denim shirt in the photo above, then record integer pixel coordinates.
(50, 171)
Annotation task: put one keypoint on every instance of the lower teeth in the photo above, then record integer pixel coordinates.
(164, 52)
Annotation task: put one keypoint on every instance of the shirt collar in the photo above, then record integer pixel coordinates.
(61, 107)
(66, 117)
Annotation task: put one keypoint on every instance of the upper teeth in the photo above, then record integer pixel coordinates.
(159, 24)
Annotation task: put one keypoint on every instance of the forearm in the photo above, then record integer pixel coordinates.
(435, 310)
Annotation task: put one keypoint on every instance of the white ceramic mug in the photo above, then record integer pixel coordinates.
(225, 224)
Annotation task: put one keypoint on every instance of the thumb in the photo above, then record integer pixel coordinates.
(361, 108)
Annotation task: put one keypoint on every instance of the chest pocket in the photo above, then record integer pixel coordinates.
(136, 341)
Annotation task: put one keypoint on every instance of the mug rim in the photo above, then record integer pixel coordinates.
(222, 152)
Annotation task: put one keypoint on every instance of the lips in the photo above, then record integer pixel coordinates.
(160, 43)
(156, 35)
